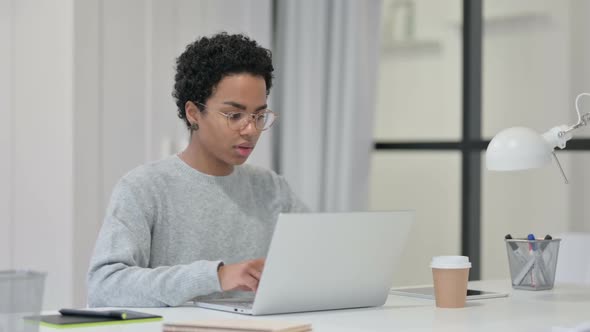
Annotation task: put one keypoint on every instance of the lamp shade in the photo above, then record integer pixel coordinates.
(517, 148)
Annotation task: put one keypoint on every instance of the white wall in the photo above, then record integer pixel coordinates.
(6, 152)
(87, 129)
(85, 96)
(38, 193)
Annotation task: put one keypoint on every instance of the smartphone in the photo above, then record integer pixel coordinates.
(428, 293)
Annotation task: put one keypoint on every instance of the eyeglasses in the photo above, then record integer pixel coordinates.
(240, 120)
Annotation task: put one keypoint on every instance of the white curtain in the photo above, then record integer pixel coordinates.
(326, 54)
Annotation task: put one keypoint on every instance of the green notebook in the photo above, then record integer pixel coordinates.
(66, 322)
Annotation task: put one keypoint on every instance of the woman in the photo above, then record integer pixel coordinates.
(200, 222)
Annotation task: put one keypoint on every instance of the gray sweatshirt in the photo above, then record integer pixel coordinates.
(169, 226)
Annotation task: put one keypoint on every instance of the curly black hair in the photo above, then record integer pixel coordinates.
(208, 60)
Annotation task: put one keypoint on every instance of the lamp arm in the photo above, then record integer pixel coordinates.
(582, 118)
(558, 136)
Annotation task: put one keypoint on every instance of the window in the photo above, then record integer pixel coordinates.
(467, 70)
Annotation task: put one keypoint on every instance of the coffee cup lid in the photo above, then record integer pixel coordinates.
(450, 262)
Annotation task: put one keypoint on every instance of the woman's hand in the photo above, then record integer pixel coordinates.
(241, 276)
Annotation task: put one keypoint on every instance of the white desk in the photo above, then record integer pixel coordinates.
(564, 306)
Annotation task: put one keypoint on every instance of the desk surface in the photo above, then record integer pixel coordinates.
(564, 306)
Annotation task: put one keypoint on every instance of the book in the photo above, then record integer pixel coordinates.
(61, 321)
(236, 325)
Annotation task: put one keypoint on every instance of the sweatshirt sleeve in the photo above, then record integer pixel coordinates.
(119, 273)
(292, 203)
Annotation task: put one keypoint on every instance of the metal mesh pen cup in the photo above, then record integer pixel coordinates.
(21, 294)
(532, 263)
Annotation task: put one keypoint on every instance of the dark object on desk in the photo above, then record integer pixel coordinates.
(118, 314)
(93, 319)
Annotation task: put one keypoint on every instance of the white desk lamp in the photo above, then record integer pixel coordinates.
(520, 148)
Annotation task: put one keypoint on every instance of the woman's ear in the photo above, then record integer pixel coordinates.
(192, 112)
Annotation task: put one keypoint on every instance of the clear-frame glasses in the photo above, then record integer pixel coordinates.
(262, 120)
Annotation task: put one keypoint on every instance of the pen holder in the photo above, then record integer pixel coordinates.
(21, 294)
(532, 263)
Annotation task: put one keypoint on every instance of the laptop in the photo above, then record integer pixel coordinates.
(326, 261)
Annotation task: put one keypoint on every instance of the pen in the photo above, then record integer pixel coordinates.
(94, 313)
(543, 256)
(532, 245)
(539, 270)
(545, 244)
(517, 254)
(524, 271)
(532, 248)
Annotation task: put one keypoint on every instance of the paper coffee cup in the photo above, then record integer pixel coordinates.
(450, 275)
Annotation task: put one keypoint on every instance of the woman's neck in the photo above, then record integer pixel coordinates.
(203, 162)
